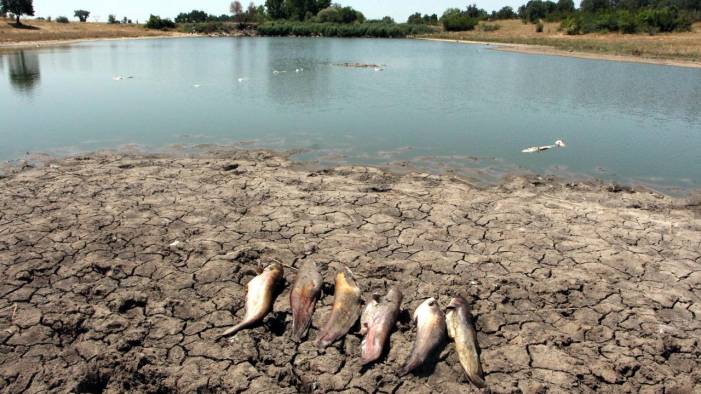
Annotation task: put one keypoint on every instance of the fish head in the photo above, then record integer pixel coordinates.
(394, 296)
(274, 269)
(457, 302)
(560, 144)
(428, 307)
(346, 280)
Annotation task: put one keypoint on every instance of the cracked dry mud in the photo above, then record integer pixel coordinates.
(576, 288)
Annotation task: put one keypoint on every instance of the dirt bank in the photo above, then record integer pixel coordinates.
(36, 32)
(672, 49)
(576, 288)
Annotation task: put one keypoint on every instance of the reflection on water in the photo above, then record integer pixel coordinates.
(24, 71)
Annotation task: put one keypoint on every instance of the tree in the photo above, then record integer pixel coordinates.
(594, 5)
(236, 9)
(415, 19)
(17, 7)
(193, 16)
(431, 19)
(565, 6)
(158, 23)
(112, 19)
(82, 15)
(276, 8)
(251, 13)
(454, 19)
(474, 12)
(508, 13)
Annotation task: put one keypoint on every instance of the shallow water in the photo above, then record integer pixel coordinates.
(435, 104)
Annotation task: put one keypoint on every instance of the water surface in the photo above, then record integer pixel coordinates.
(435, 104)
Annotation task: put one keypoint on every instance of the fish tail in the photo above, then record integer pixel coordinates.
(477, 380)
(409, 366)
(234, 330)
(322, 342)
(300, 323)
(299, 329)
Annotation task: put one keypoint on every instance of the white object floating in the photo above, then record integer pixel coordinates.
(242, 80)
(117, 78)
(196, 85)
(536, 149)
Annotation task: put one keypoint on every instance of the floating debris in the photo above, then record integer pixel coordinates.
(376, 67)
(536, 149)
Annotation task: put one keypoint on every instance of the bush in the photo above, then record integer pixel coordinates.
(306, 29)
(62, 19)
(458, 22)
(156, 23)
(650, 20)
(489, 27)
(539, 27)
(212, 27)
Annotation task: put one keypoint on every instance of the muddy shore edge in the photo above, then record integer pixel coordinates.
(551, 51)
(120, 270)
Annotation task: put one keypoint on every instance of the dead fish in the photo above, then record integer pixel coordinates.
(303, 297)
(462, 331)
(259, 298)
(346, 308)
(376, 323)
(430, 332)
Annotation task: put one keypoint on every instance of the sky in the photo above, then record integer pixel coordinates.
(141, 9)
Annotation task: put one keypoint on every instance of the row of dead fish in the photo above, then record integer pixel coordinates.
(377, 320)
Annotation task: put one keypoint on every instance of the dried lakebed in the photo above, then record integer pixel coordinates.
(574, 287)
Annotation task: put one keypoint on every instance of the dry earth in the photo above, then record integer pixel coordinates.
(679, 49)
(39, 33)
(576, 287)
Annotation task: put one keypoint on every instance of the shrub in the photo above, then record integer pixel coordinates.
(539, 27)
(208, 27)
(489, 27)
(650, 20)
(62, 19)
(458, 22)
(156, 23)
(305, 29)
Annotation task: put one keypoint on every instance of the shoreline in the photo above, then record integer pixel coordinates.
(120, 271)
(498, 46)
(551, 51)
(475, 175)
(53, 43)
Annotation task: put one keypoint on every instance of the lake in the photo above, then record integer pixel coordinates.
(434, 105)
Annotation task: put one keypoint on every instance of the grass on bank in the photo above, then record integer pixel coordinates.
(668, 46)
(36, 30)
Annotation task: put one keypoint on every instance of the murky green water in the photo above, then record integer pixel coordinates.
(435, 104)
